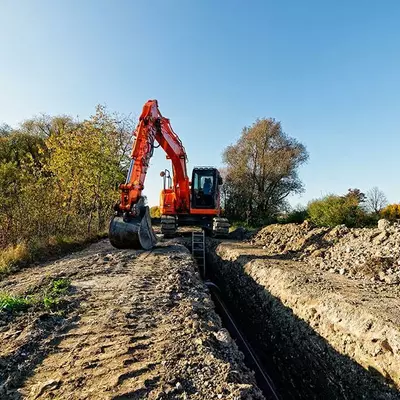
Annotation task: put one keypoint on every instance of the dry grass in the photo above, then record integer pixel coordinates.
(13, 256)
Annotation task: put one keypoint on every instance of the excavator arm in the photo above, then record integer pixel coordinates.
(131, 226)
(154, 127)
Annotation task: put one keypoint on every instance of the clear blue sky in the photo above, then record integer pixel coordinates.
(328, 70)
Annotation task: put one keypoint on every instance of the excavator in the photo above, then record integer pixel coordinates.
(194, 202)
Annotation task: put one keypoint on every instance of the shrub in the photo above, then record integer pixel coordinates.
(337, 210)
(297, 216)
(391, 212)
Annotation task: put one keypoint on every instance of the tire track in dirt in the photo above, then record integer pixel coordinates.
(108, 349)
(144, 329)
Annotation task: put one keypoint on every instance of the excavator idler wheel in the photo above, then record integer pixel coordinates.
(132, 233)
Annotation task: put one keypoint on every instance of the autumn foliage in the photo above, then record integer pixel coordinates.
(59, 176)
(391, 212)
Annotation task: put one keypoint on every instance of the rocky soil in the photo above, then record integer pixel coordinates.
(134, 325)
(367, 253)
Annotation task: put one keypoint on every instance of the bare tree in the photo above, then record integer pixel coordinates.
(376, 200)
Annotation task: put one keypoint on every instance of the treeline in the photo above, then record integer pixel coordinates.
(59, 176)
(354, 209)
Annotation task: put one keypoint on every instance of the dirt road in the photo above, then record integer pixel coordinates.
(134, 325)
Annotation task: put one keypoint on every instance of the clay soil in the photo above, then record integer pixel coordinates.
(133, 325)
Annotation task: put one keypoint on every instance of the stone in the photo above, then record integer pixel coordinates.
(383, 224)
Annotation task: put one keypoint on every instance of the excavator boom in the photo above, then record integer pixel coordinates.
(131, 224)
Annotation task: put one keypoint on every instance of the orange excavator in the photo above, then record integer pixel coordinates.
(182, 202)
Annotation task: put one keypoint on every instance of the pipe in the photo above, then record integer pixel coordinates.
(264, 380)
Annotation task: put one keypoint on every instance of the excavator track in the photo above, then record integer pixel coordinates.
(220, 227)
(168, 226)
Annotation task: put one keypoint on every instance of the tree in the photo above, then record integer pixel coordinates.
(5, 130)
(86, 160)
(376, 200)
(58, 175)
(391, 212)
(357, 195)
(261, 171)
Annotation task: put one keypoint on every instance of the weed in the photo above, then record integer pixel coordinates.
(14, 303)
(54, 292)
(50, 298)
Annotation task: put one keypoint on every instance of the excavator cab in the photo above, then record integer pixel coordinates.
(205, 191)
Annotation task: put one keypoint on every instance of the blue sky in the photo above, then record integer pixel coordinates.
(328, 70)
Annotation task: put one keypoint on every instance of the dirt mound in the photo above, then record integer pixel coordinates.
(329, 337)
(372, 253)
(291, 238)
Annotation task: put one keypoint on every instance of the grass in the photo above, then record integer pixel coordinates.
(14, 303)
(50, 298)
(12, 256)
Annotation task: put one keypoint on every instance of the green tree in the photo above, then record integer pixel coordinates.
(261, 171)
(21, 157)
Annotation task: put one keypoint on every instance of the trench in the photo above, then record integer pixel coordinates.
(229, 321)
(290, 359)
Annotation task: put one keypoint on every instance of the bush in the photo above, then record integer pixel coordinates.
(391, 212)
(297, 216)
(337, 210)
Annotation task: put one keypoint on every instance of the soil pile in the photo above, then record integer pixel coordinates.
(369, 253)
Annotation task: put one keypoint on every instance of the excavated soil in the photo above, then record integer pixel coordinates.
(320, 334)
(134, 325)
(362, 253)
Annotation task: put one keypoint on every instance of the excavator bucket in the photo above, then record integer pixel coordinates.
(135, 233)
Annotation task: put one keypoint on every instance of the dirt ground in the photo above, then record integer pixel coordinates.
(134, 325)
